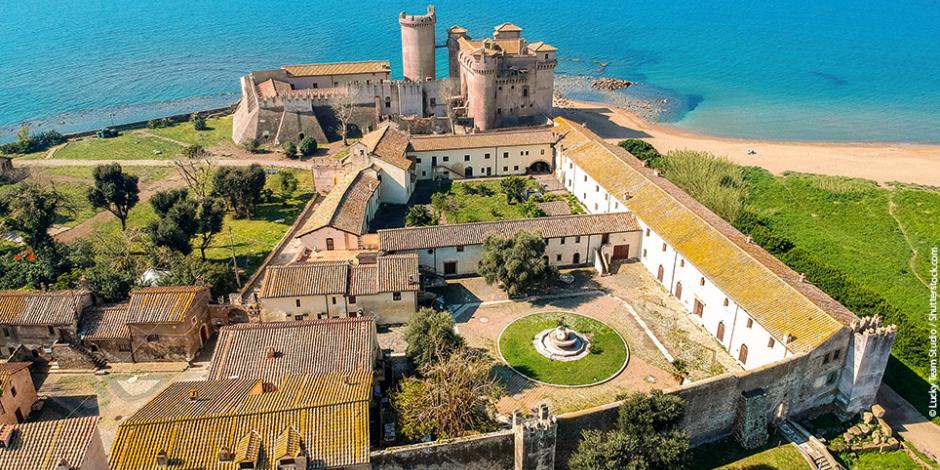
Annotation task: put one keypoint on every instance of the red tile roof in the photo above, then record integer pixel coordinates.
(41, 308)
(168, 304)
(42, 445)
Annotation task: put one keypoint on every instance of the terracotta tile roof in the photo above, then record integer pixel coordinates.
(41, 308)
(271, 88)
(105, 323)
(435, 236)
(540, 46)
(9, 369)
(767, 289)
(388, 143)
(298, 347)
(483, 139)
(338, 68)
(508, 27)
(42, 445)
(164, 304)
(397, 273)
(555, 208)
(344, 208)
(324, 416)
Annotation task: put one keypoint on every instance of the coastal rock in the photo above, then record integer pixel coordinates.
(878, 411)
(610, 84)
(868, 417)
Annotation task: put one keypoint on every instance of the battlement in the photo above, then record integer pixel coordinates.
(429, 19)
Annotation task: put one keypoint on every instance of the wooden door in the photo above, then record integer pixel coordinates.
(720, 334)
(679, 290)
(659, 273)
(742, 355)
(621, 251)
(450, 268)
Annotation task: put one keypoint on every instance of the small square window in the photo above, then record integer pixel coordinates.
(701, 281)
(771, 342)
(750, 322)
(396, 296)
(505, 168)
(727, 302)
(664, 247)
(585, 178)
(542, 152)
(486, 156)
(417, 160)
(352, 299)
(466, 158)
(562, 240)
(297, 303)
(681, 263)
(577, 239)
(460, 249)
(445, 158)
(431, 251)
(647, 232)
(836, 354)
(515, 168)
(558, 258)
(644, 252)
(505, 154)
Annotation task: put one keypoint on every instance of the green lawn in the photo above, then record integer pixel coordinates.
(127, 146)
(895, 460)
(483, 201)
(219, 130)
(607, 356)
(726, 454)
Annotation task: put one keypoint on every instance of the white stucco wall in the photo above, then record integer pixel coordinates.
(386, 309)
(502, 161)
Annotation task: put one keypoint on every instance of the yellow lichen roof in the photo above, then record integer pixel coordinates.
(43, 444)
(338, 68)
(168, 304)
(105, 323)
(325, 416)
(344, 208)
(768, 290)
(60, 307)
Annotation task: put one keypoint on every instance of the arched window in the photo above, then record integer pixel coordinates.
(660, 273)
(679, 290)
(701, 281)
(742, 355)
(720, 334)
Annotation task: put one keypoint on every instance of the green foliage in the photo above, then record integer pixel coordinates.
(241, 187)
(159, 123)
(110, 283)
(32, 268)
(177, 223)
(642, 150)
(164, 200)
(193, 151)
(187, 271)
(431, 337)
(252, 145)
(714, 181)
(27, 143)
(210, 216)
(114, 191)
(519, 263)
(308, 146)
(648, 436)
(286, 183)
(31, 211)
(290, 149)
(452, 398)
(514, 188)
(419, 216)
(199, 122)
(531, 208)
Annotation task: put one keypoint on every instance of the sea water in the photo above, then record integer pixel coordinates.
(858, 70)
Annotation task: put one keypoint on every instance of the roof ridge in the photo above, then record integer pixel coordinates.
(509, 221)
(237, 414)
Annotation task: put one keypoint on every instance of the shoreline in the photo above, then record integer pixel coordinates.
(911, 163)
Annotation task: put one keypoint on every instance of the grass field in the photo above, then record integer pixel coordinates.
(219, 130)
(484, 201)
(128, 146)
(728, 455)
(607, 356)
(895, 460)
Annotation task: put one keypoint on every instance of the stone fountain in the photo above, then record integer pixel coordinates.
(561, 344)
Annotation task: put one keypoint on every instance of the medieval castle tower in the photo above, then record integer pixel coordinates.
(417, 45)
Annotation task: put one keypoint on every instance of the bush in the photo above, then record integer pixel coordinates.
(431, 337)
(308, 146)
(252, 146)
(770, 241)
(27, 143)
(199, 122)
(419, 216)
(642, 150)
(290, 149)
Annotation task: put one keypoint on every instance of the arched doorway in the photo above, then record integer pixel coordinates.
(539, 167)
(679, 290)
(742, 354)
(236, 316)
(659, 273)
(720, 334)
(204, 333)
(576, 259)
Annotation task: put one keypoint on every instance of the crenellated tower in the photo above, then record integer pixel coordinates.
(417, 45)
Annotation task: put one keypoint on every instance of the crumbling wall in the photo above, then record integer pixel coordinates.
(492, 451)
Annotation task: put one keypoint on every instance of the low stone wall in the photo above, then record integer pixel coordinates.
(493, 451)
(176, 119)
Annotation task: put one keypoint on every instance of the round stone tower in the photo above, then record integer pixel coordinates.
(417, 45)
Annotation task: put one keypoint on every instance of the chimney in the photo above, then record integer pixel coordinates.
(162, 460)
(271, 353)
(226, 455)
(193, 394)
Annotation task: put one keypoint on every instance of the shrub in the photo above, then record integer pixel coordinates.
(642, 150)
(431, 337)
(308, 146)
(199, 122)
(714, 181)
(290, 149)
(418, 216)
(252, 146)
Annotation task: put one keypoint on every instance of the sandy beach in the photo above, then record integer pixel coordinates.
(881, 162)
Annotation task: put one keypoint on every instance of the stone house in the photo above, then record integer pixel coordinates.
(385, 149)
(310, 421)
(167, 323)
(385, 288)
(104, 331)
(573, 240)
(62, 444)
(39, 319)
(342, 218)
(17, 392)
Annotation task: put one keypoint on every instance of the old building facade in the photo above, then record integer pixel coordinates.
(168, 323)
(17, 392)
(36, 320)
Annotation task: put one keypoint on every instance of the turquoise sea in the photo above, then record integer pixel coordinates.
(858, 70)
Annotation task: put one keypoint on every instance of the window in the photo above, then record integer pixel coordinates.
(124, 347)
(505, 154)
(329, 244)
(595, 206)
(831, 379)
(701, 281)
(297, 303)
(597, 188)
(505, 168)
(605, 196)
(681, 263)
(352, 299)
(562, 240)
(750, 322)
(433, 102)
(698, 308)
(542, 152)
(486, 156)
(558, 258)
(770, 342)
(727, 302)
(499, 110)
(664, 247)
(431, 251)
(644, 252)
(466, 158)
(153, 338)
(388, 102)
(418, 160)
(515, 168)
(616, 205)
(585, 178)
(647, 232)
(51, 331)
(396, 296)
(460, 249)
(333, 300)
(836, 354)
(577, 239)
(13, 390)
(445, 158)
(424, 173)
(679, 290)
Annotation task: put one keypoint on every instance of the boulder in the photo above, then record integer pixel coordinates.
(885, 427)
(847, 437)
(868, 418)
(864, 428)
(878, 411)
(854, 430)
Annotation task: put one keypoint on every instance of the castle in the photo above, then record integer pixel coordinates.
(502, 81)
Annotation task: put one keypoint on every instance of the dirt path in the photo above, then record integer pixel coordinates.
(909, 423)
(52, 150)
(87, 227)
(914, 253)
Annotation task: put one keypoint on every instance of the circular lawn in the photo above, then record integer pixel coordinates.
(608, 355)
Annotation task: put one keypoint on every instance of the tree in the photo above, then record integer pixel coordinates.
(647, 436)
(177, 223)
(252, 145)
(286, 183)
(164, 200)
(115, 191)
(194, 151)
(197, 172)
(290, 149)
(210, 216)
(431, 337)
(518, 263)
(343, 105)
(419, 216)
(514, 188)
(240, 187)
(199, 122)
(31, 211)
(187, 271)
(452, 398)
(308, 146)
